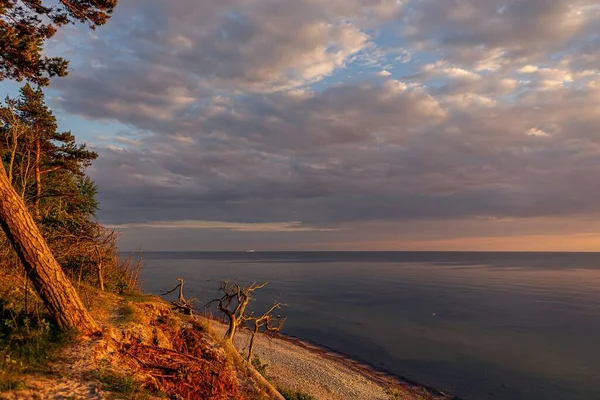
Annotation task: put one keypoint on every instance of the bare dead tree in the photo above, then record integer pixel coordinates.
(104, 245)
(273, 324)
(181, 304)
(233, 304)
(99, 245)
(131, 266)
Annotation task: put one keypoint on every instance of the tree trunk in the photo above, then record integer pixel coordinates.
(254, 374)
(181, 298)
(25, 175)
(251, 346)
(38, 179)
(232, 328)
(51, 283)
(13, 154)
(100, 268)
(100, 276)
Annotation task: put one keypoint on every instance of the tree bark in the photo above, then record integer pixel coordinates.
(254, 374)
(232, 328)
(100, 267)
(25, 175)
(13, 154)
(251, 346)
(38, 179)
(51, 283)
(100, 276)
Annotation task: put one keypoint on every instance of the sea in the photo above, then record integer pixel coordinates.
(478, 325)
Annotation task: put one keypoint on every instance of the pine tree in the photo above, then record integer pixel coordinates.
(25, 25)
(50, 153)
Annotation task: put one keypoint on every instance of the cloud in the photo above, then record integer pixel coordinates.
(527, 69)
(537, 132)
(509, 32)
(293, 226)
(257, 113)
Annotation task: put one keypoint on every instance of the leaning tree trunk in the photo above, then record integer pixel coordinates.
(51, 283)
(251, 346)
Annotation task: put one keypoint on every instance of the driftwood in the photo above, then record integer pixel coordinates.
(181, 304)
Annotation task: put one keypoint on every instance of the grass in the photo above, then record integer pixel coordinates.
(121, 384)
(138, 297)
(29, 343)
(289, 394)
(259, 365)
(395, 395)
(127, 314)
(9, 380)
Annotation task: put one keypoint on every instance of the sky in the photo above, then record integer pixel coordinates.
(341, 124)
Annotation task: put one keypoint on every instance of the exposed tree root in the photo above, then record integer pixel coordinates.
(194, 369)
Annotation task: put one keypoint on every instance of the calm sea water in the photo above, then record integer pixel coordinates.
(478, 325)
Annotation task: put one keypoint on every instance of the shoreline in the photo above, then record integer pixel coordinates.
(361, 366)
(388, 382)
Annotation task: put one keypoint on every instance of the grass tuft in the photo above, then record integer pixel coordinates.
(259, 365)
(289, 394)
(126, 313)
(121, 384)
(138, 297)
(28, 342)
(9, 380)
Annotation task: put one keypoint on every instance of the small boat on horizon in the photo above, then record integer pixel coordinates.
(250, 251)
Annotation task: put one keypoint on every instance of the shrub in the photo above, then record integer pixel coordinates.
(120, 383)
(259, 366)
(289, 394)
(28, 341)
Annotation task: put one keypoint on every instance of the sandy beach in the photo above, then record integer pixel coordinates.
(324, 374)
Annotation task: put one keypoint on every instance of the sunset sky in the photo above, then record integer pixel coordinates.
(341, 124)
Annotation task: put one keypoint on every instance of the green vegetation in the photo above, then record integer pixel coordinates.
(27, 25)
(137, 296)
(127, 314)
(395, 395)
(294, 395)
(46, 168)
(28, 343)
(9, 380)
(259, 366)
(121, 384)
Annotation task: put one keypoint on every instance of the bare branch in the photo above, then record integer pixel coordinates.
(233, 304)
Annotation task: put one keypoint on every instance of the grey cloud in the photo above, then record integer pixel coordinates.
(233, 132)
(258, 45)
(341, 115)
(514, 31)
(475, 161)
(158, 62)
